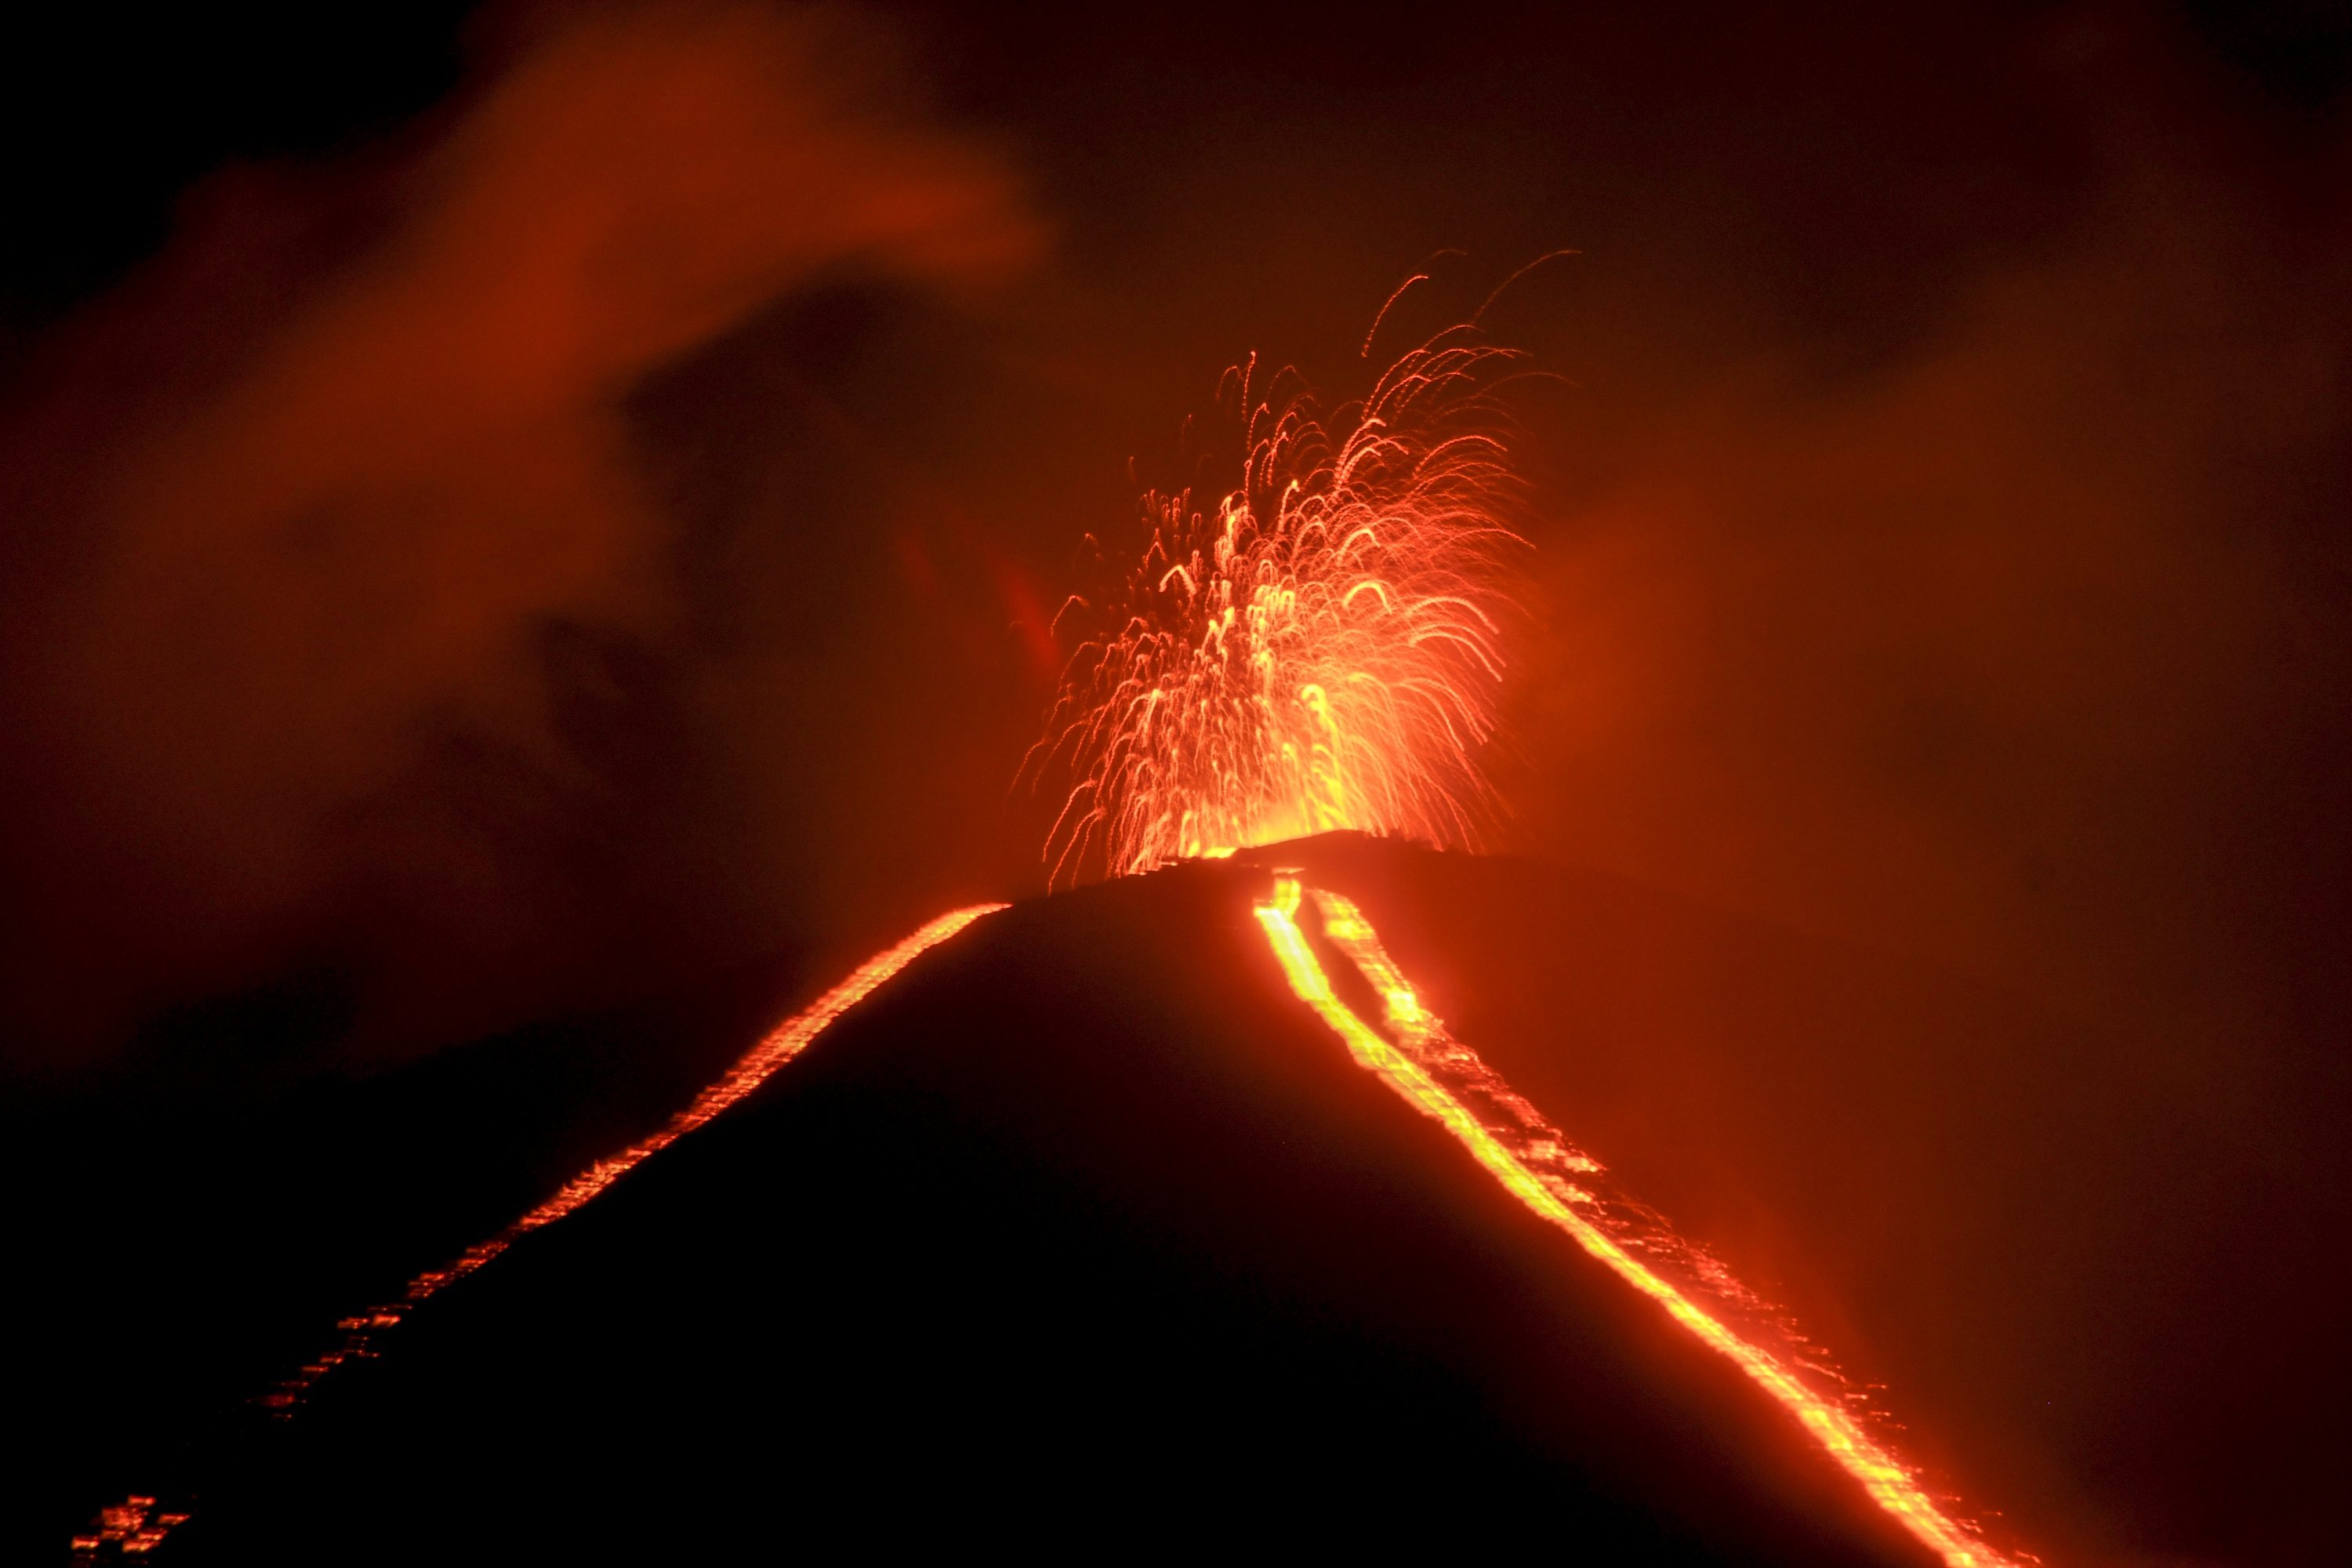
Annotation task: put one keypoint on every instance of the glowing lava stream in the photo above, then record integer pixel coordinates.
(787, 1040)
(135, 1527)
(1533, 1174)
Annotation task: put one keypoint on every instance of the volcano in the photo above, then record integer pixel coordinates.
(1080, 1235)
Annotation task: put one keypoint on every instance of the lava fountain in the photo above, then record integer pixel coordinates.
(1320, 648)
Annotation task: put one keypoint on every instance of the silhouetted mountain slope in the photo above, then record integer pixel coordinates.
(1082, 1236)
(179, 1245)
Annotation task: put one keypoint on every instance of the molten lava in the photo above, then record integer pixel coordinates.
(787, 1040)
(1445, 1080)
(1320, 649)
(134, 1528)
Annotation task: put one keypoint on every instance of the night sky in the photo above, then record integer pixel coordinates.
(525, 511)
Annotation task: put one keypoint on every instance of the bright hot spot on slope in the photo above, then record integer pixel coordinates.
(1319, 647)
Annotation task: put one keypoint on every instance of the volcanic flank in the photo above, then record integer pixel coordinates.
(1080, 1235)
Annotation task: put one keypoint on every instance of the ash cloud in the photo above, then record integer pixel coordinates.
(344, 614)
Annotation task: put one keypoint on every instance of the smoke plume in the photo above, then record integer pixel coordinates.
(333, 544)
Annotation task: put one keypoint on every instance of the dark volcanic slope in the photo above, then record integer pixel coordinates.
(1084, 1235)
(185, 1234)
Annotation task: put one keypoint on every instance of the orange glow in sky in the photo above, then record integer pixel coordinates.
(1445, 1080)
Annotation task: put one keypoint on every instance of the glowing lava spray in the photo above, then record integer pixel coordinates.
(1319, 647)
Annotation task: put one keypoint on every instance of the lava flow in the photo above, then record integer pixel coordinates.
(1445, 1080)
(787, 1040)
(1319, 651)
(134, 1528)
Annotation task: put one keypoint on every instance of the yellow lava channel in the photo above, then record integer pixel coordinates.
(1405, 1066)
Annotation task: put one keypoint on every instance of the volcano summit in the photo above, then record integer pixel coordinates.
(1081, 1235)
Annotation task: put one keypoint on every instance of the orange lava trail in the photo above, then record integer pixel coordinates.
(133, 1527)
(1445, 1080)
(787, 1040)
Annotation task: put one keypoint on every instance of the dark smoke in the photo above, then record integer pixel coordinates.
(348, 639)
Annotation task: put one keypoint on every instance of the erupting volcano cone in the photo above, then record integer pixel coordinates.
(1080, 1236)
